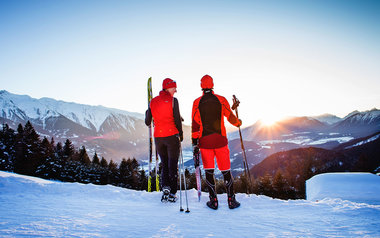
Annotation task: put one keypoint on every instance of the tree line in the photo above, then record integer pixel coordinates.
(24, 152)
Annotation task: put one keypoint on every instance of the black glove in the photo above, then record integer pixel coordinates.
(195, 146)
(195, 149)
(181, 137)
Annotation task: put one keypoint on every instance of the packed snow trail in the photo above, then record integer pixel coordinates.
(32, 207)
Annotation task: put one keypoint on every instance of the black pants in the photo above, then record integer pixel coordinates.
(168, 149)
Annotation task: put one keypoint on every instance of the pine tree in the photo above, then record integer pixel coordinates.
(7, 148)
(68, 150)
(27, 150)
(50, 167)
(95, 160)
(83, 156)
(279, 185)
(103, 163)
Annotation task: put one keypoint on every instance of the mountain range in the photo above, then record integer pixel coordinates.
(325, 132)
(117, 134)
(112, 133)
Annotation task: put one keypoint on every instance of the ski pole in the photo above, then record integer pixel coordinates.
(180, 183)
(235, 105)
(184, 179)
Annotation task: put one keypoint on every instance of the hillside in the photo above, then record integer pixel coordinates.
(298, 165)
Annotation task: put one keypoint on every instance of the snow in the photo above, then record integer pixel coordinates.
(355, 187)
(364, 142)
(31, 207)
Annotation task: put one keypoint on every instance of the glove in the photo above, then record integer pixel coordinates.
(239, 123)
(181, 138)
(195, 146)
(195, 149)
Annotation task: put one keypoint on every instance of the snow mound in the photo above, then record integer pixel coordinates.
(355, 187)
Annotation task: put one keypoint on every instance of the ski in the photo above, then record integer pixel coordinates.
(198, 175)
(150, 96)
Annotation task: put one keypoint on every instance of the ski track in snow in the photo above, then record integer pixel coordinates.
(32, 207)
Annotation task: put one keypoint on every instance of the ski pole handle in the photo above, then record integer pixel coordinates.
(236, 102)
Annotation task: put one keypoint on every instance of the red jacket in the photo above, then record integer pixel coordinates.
(208, 120)
(165, 112)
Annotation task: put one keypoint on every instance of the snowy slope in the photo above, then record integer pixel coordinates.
(33, 207)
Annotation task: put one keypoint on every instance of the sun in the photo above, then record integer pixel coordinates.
(268, 121)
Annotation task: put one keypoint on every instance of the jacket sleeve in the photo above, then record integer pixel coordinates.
(195, 122)
(227, 112)
(177, 117)
(148, 117)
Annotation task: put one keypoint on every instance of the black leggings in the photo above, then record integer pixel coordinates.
(168, 149)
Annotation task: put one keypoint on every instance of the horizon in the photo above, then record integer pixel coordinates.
(229, 127)
(281, 59)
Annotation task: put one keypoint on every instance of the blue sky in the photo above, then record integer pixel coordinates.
(280, 58)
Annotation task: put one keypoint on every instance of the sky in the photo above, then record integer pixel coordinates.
(280, 58)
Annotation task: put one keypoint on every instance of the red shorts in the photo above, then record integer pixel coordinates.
(222, 158)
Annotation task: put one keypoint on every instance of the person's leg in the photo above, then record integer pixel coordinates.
(208, 161)
(162, 151)
(224, 164)
(228, 182)
(210, 181)
(173, 156)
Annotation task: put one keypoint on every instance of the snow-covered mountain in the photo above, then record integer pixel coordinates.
(112, 133)
(360, 123)
(297, 132)
(328, 118)
(33, 207)
(91, 117)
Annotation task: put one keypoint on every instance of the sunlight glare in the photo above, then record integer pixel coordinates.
(268, 121)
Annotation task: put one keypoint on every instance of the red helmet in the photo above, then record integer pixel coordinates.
(207, 82)
(168, 83)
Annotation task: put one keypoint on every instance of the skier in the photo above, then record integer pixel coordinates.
(168, 135)
(209, 135)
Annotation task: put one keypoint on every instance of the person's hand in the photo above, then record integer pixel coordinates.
(181, 138)
(195, 149)
(239, 123)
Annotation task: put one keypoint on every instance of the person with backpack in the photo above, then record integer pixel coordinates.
(209, 136)
(168, 134)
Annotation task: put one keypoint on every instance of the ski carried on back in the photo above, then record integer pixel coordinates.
(150, 96)
(198, 176)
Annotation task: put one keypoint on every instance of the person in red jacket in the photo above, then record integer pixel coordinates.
(209, 135)
(168, 135)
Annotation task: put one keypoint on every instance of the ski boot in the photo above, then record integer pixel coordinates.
(213, 203)
(232, 203)
(172, 198)
(165, 194)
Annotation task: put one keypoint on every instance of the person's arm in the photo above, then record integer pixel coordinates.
(229, 114)
(148, 117)
(195, 123)
(177, 118)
